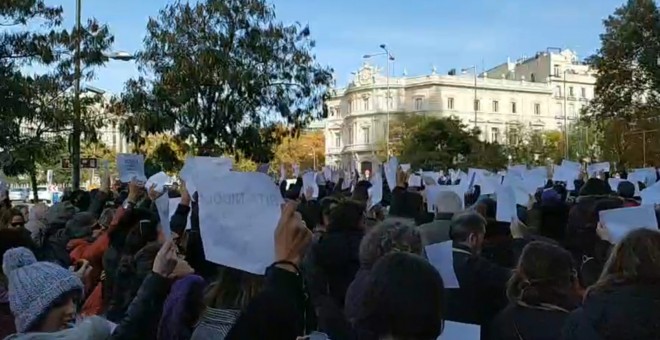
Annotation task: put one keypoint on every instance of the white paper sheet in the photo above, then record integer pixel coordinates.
(296, 170)
(159, 179)
(620, 222)
(414, 181)
(195, 165)
(405, 167)
(390, 168)
(238, 214)
(594, 169)
(376, 190)
(460, 331)
(650, 196)
(644, 175)
(441, 256)
(506, 203)
(327, 173)
(131, 166)
(163, 207)
(309, 181)
(567, 174)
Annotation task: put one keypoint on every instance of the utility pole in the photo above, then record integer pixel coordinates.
(75, 138)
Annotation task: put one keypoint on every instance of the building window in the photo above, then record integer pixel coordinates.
(496, 106)
(570, 92)
(365, 103)
(557, 70)
(513, 107)
(495, 135)
(571, 110)
(537, 109)
(337, 140)
(366, 138)
(558, 110)
(450, 103)
(350, 106)
(532, 78)
(558, 91)
(584, 92)
(477, 105)
(350, 135)
(337, 111)
(390, 102)
(513, 136)
(418, 104)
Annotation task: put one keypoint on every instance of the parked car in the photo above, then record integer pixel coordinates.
(42, 193)
(18, 194)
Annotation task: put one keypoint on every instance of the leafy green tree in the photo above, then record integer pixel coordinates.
(439, 143)
(626, 97)
(37, 109)
(221, 73)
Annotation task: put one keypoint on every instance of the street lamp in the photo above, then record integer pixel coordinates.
(75, 137)
(474, 71)
(390, 58)
(565, 119)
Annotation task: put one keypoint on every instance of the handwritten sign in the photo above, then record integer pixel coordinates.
(131, 166)
(238, 214)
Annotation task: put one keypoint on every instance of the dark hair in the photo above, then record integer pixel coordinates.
(404, 298)
(347, 215)
(634, 260)
(466, 223)
(13, 238)
(232, 289)
(361, 191)
(545, 275)
(15, 212)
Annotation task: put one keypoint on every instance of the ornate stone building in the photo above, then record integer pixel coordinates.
(543, 92)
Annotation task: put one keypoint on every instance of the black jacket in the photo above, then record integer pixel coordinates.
(482, 288)
(518, 322)
(280, 311)
(333, 262)
(144, 309)
(625, 312)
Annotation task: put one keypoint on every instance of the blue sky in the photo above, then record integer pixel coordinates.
(420, 33)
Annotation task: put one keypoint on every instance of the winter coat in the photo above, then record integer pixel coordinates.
(529, 323)
(624, 312)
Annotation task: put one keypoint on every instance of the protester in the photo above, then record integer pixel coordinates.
(541, 292)
(447, 204)
(42, 295)
(9, 238)
(403, 299)
(625, 302)
(482, 282)
(391, 235)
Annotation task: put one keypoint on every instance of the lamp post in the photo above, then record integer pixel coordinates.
(474, 103)
(565, 119)
(390, 58)
(75, 136)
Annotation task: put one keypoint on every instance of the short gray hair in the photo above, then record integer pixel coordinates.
(390, 235)
(448, 202)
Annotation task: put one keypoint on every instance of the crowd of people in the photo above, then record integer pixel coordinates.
(97, 266)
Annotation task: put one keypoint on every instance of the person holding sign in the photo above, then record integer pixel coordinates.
(625, 301)
(278, 312)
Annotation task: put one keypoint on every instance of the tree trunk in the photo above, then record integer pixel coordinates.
(33, 183)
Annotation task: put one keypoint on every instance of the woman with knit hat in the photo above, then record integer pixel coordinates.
(42, 297)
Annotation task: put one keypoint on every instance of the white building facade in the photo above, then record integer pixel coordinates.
(543, 92)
